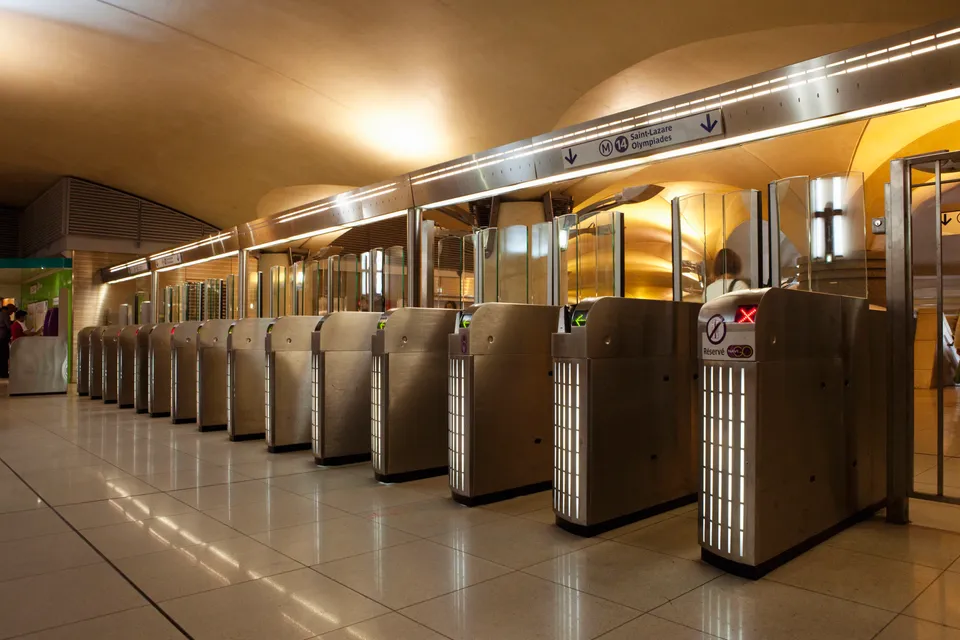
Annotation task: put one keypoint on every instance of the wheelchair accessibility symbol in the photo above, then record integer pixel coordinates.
(606, 148)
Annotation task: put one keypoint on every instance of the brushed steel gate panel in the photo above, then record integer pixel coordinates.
(109, 363)
(246, 360)
(158, 386)
(212, 374)
(95, 360)
(83, 360)
(183, 372)
(287, 382)
(141, 389)
(127, 366)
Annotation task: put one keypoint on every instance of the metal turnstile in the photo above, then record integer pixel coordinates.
(625, 428)
(158, 370)
(127, 365)
(183, 372)
(212, 374)
(83, 360)
(108, 367)
(500, 412)
(246, 355)
(408, 394)
(340, 368)
(95, 360)
(287, 382)
(793, 404)
(141, 369)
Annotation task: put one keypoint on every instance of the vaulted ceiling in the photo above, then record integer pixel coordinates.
(230, 109)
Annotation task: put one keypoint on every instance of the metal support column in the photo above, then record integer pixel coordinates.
(242, 284)
(676, 242)
(427, 259)
(414, 223)
(900, 339)
(773, 236)
(156, 303)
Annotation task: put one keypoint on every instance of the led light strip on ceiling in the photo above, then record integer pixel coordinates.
(715, 101)
(316, 233)
(133, 277)
(340, 201)
(194, 245)
(127, 265)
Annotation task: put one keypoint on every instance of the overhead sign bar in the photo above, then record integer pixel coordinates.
(644, 140)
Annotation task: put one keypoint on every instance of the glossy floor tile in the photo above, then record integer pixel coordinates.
(405, 574)
(232, 542)
(518, 606)
(290, 606)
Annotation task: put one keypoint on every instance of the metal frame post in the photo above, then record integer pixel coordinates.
(900, 335)
(676, 241)
(414, 223)
(428, 231)
(154, 297)
(773, 236)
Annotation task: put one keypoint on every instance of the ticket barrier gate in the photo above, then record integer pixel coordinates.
(408, 394)
(793, 407)
(141, 367)
(625, 427)
(183, 372)
(212, 374)
(83, 360)
(287, 383)
(109, 340)
(341, 368)
(500, 409)
(95, 361)
(158, 370)
(127, 365)
(246, 357)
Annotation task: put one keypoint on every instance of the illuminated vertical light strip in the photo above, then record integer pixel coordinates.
(266, 387)
(456, 424)
(199, 416)
(712, 413)
(174, 368)
(230, 426)
(703, 461)
(376, 418)
(315, 392)
(730, 444)
(743, 441)
(576, 435)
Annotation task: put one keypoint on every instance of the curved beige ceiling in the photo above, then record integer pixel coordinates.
(209, 105)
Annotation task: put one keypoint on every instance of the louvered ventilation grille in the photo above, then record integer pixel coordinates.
(43, 222)
(95, 210)
(567, 454)
(723, 463)
(388, 233)
(9, 233)
(457, 423)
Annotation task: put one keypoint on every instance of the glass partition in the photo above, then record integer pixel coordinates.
(567, 259)
(321, 291)
(278, 292)
(394, 278)
(489, 265)
(691, 211)
(647, 250)
(539, 280)
(449, 272)
(838, 235)
(348, 282)
(468, 276)
(792, 205)
(512, 264)
(598, 257)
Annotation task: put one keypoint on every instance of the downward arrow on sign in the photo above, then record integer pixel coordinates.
(570, 157)
(945, 219)
(710, 125)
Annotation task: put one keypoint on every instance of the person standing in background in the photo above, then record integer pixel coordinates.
(6, 323)
(19, 327)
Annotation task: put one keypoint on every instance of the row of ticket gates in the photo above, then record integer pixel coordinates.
(765, 406)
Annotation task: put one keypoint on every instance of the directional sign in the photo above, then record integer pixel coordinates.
(950, 224)
(579, 319)
(645, 140)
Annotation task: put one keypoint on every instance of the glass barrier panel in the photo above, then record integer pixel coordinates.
(394, 278)
(448, 273)
(597, 256)
(349, 283)
(512, 264)
(792, 196)
(838, 235)
(567, 259)
(490, 263)
(693, 247)
(715, 240)
(647, 250)
(539, 263)
(321, 286)
(733, 264)
(468, 277)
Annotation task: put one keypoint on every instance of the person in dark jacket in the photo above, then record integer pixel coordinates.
(6, 325)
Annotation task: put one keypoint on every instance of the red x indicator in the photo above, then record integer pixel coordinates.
(746, 315)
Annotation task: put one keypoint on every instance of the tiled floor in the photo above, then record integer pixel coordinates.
(113, 525)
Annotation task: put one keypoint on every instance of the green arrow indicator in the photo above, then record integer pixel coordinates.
(579, 319)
